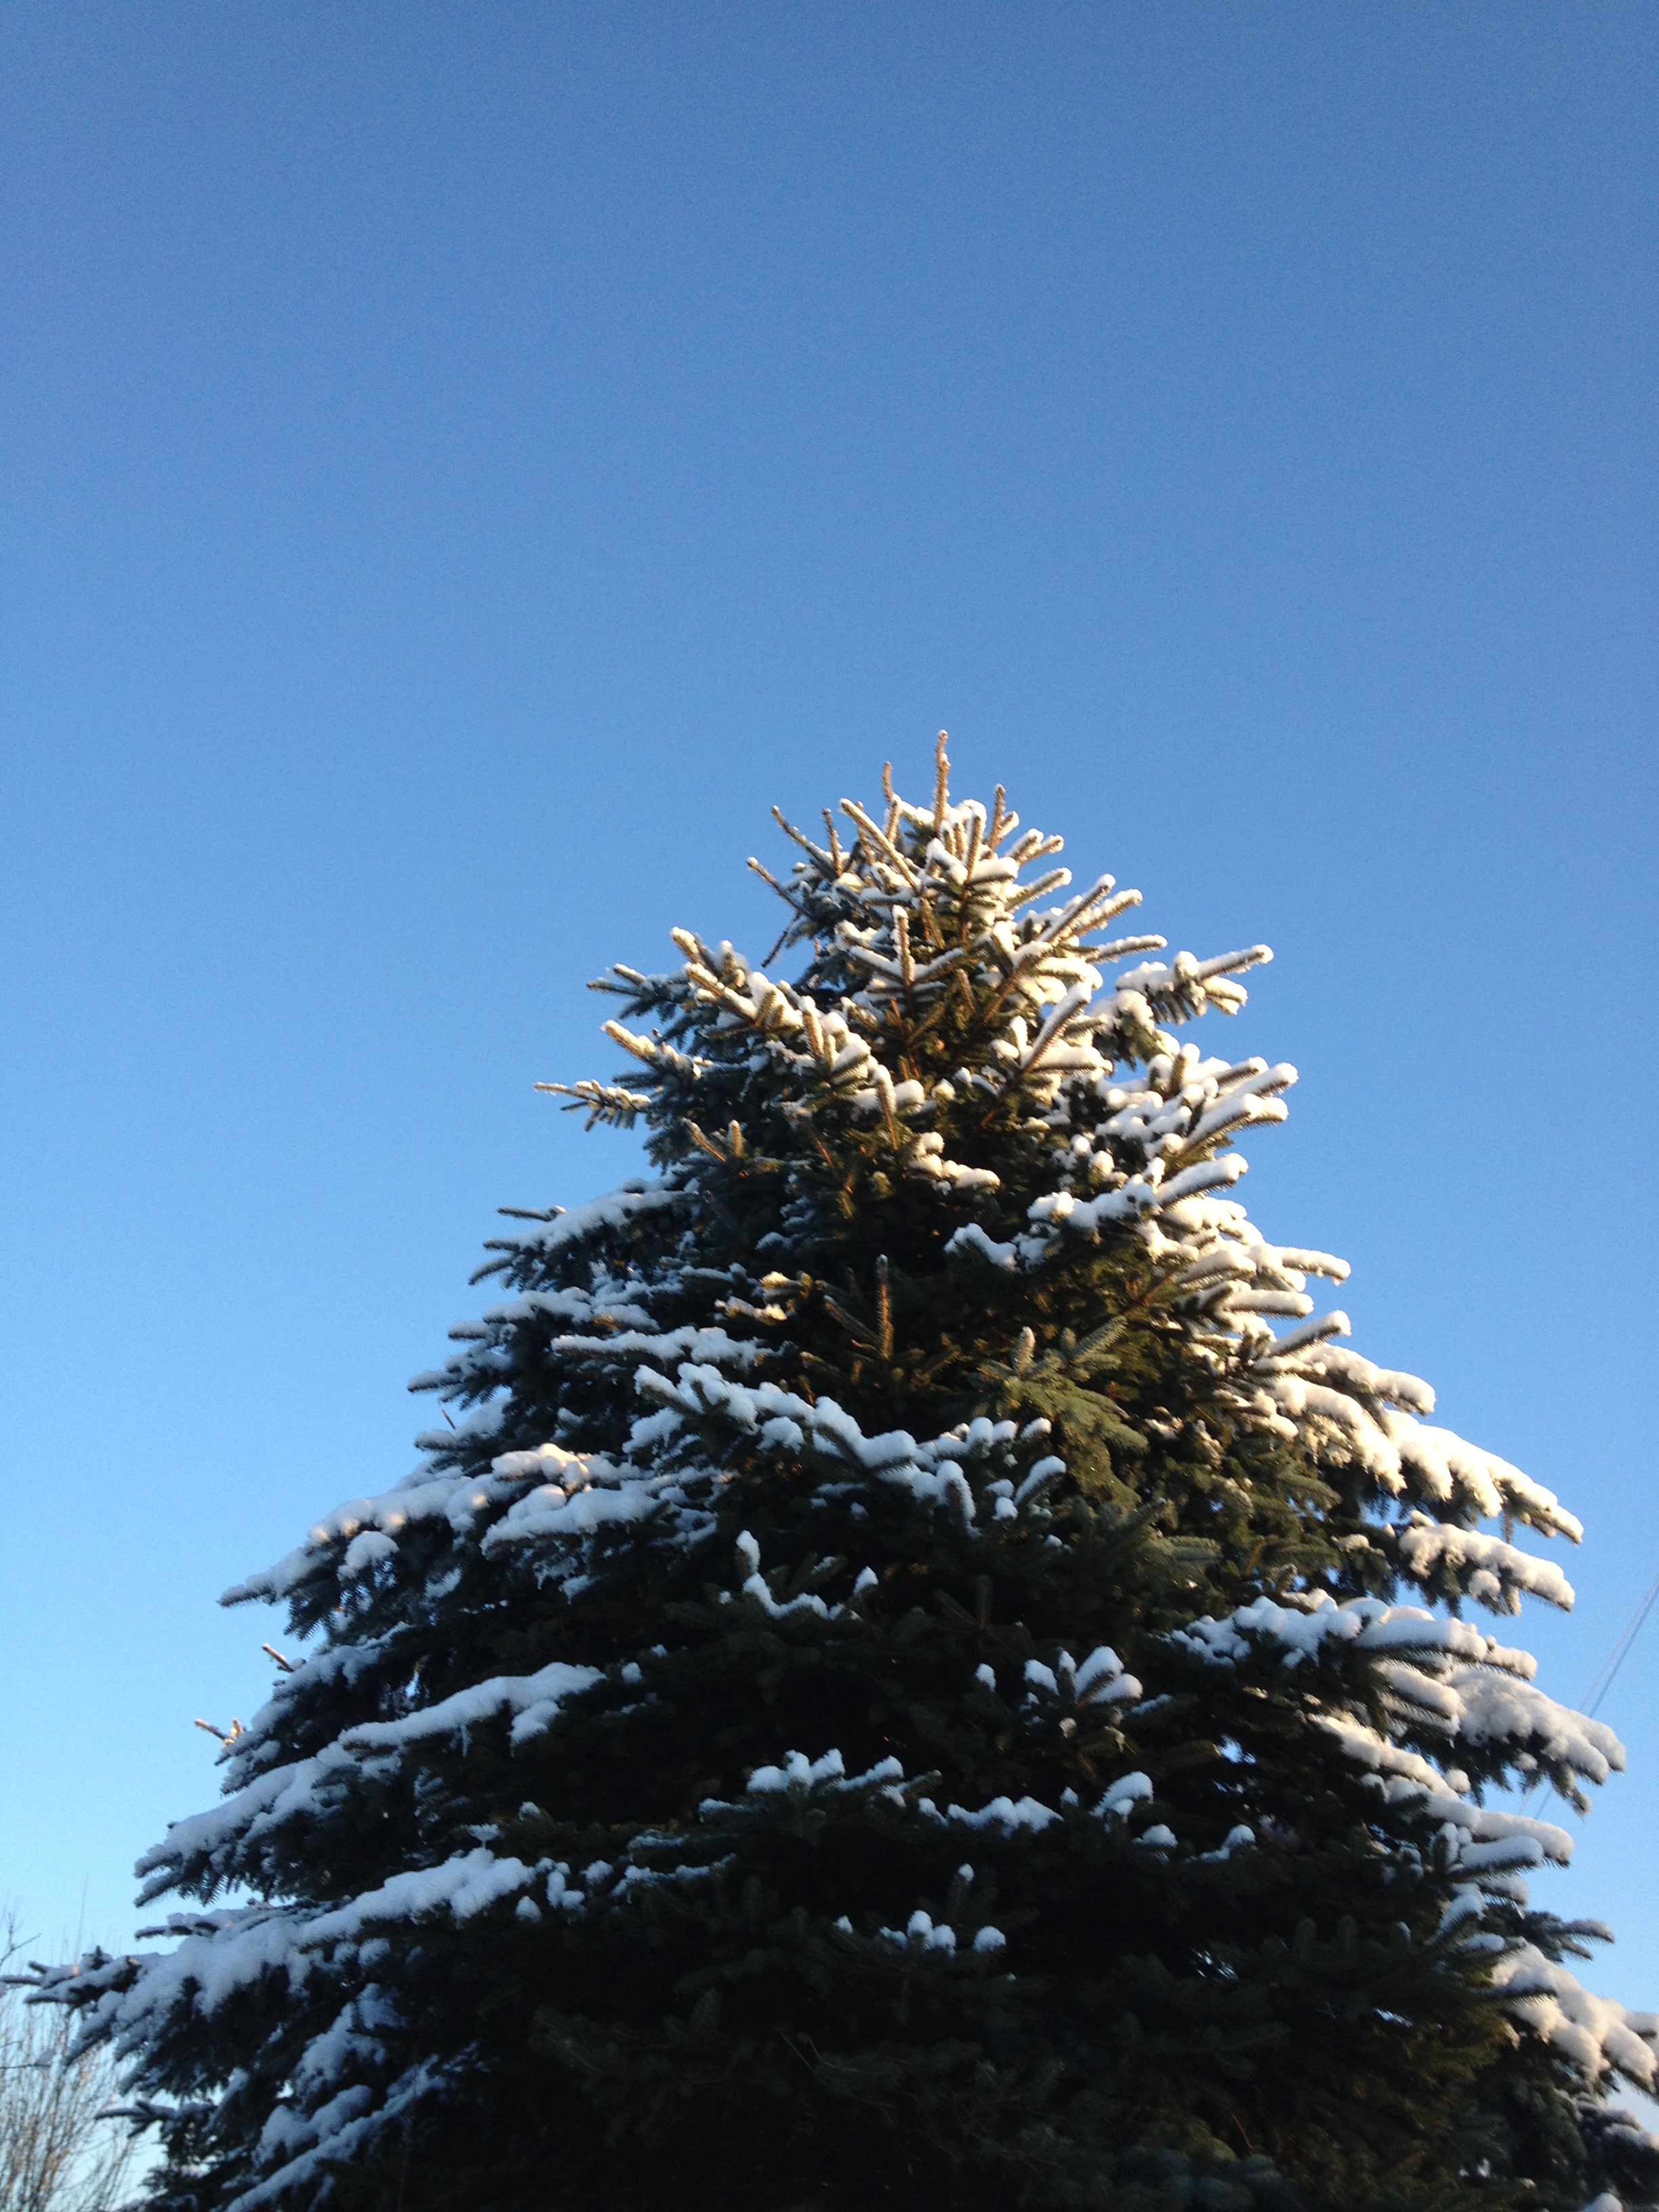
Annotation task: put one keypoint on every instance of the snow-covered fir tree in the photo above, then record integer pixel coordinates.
(923, 1668)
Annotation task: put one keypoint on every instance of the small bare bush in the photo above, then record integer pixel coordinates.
(56, 2154)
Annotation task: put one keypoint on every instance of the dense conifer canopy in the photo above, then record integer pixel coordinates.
(919, 1667)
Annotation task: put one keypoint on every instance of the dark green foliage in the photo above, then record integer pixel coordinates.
(993, 1765)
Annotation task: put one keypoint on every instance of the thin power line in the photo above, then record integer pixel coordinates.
(1604, 1682)
(1616, 1658)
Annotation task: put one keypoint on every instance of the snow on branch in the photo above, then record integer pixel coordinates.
(1598, 2034)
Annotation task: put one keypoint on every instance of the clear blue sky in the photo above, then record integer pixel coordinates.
(462, 463)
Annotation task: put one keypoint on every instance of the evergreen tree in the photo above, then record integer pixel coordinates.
(922, 1669)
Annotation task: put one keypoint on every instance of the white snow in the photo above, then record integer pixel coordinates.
(1597, 2033)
